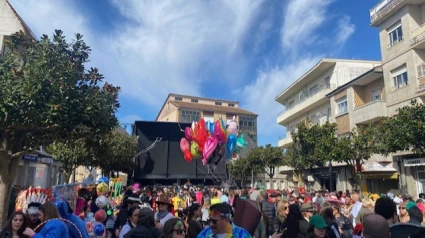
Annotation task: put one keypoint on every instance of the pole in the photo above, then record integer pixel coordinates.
(330, 176)
(252, 178)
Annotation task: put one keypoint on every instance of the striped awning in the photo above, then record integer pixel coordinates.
(414, 162)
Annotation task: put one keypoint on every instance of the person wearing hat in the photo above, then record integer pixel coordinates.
(307, 211)
(317, 227)
(164, 211)
(121, 220)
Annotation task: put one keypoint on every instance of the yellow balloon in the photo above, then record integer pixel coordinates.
(101, 188)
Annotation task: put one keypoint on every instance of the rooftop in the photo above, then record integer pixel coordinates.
(316, 71)
(206, 107)
(22, 22)
(201, 98)
(361, 80)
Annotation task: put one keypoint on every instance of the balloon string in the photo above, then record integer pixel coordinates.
(196, 167)
(180, 127)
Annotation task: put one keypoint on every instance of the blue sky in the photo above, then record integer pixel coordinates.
(244, 50)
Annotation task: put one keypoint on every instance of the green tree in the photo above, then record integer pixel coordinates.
(116, 151)
(271, 157)
(240, 169)
(403, 132)
(46, 95)
(72, 153)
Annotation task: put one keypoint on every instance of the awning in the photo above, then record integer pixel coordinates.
(414, 162)
(380, 176)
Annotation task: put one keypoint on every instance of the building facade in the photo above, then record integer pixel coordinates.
(358, 103)
(186, 109)
(401, 25)
(10, 23)
(306, 101)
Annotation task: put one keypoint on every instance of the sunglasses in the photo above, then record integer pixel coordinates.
(214, 221)
(402, 208)
(18, 219)
(180, 232)
(286, 207)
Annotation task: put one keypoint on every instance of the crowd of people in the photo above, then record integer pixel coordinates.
(190, 211)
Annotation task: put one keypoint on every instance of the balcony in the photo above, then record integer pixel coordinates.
(421, 88)
(307, 103)
(383, 8)
(285, 140)
(369, 112)
(418, 37)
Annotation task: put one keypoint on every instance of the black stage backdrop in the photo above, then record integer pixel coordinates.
(165, 160)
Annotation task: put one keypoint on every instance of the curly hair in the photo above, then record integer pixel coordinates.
(385, 207)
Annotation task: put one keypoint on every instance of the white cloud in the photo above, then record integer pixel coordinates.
(301, 24)
(165, 46)
(301, 19)
(345, 29)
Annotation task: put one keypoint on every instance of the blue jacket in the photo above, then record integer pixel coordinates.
(53, 229)
(237, 232)
(66, 214)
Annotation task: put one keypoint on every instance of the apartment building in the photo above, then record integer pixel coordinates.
(358, 103)
(306, 101)
(402, 39)
(184, 108)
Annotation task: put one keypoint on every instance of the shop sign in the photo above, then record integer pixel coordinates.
(46, 160)
(379, 166)
(414, 162)
(30, 157)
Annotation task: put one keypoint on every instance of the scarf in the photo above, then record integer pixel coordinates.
(162, 214)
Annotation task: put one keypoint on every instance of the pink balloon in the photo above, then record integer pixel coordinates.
(188, 133)
(209, 147)
(184, 145)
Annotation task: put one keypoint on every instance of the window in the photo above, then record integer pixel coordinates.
(189, 116)
(328, 81)
(312, 90)
(400, 78)
(248, 123)
(218, 103)
(208, 116)
(231, 104)
(342, 105)
(194, 100)
(178, 98)
(395, 34)
(376, 95)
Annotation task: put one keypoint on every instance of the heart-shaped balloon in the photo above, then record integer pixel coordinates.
(188, 156)
(194, 150)
(209, 147)
(184, 145)
(188, 133)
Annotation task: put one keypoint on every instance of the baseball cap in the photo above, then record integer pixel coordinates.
(318, 222)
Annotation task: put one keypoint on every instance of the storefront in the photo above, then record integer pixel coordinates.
(417, 170)
(380, 177)
(39, 169)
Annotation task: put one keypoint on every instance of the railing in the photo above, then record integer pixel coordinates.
(421, 88)
(319, 89)
(418, 35)
(369, 103)
(382, 8)
(421, 70)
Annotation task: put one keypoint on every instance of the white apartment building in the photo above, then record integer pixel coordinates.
(306, 101)
(401, 25)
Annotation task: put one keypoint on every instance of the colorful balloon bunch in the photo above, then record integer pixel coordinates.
(207, 140)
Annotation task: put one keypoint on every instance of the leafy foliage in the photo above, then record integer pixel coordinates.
(46, 95)
(406, 131)
(257, 159)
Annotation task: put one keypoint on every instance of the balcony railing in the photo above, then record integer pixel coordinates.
(421, 70)
(421, 88)
(382, 8)
(418, 35)
(311, 94)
